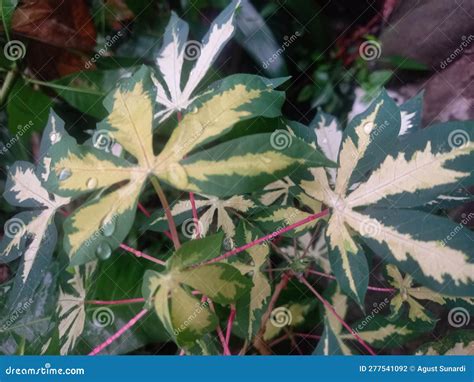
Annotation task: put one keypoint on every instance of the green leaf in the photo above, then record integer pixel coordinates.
(460, 342)
(27, 109)
(7, 9)
(328, 343)
(31, 234)
(251, 307)
(186, 318)
(86, 90)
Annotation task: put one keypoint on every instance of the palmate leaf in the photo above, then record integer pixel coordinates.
(175, 49)
(404, 175)
(251, 307)
(237, 166)
(184, 316)
(212, 207)
(456, 343)
(31, 234)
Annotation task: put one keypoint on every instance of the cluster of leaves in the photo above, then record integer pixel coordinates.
(259, 173)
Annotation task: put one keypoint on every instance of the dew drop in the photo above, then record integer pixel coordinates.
(109, 228)
(194, 110)
(91, 183)
(65, 174)
(53, 137)
(368, 127)
(103, 251)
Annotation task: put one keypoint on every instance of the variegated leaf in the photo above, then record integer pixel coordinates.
(329, 343)
(175, 49)
(31, 235)
(423, 245)
(183, 315)
(251, 307)
(71, 309)
(457, 343)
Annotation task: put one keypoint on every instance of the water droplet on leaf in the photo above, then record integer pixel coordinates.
(65, 174)
(91, 183)
(103, 251)
(109, 228)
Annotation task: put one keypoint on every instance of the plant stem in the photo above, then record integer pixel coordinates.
(268, 237)
(116, 302)
(117, 334)
(166, 207)
(230, 322)
(7, 84)
(375, 289)
(333, 311)
(137, 253)
(219, 331)
(61, 87)
(143, 210)
(195, 214)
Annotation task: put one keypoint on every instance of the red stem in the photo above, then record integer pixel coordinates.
(268, 237)
(138, 253)
(376, 289)
(116, 302)
(230, 322)
(333, 311)
(195, 214)
(219, 331)
(143, 210)
(116, 335)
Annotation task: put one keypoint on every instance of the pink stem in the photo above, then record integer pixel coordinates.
(230, 322)
(333, 311)
(168, 235)
(116, 302)
(116, 335)
(268, 237)
(137, 253)
(143, 210)
(195, 214)
(307, 335)
(376, 289)
(219, 331)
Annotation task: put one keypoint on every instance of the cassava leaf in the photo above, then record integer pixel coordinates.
(251, 306)
(376, 210)
(103, 221)
(183, 315)
(31, 235)
(456, 343)
(169, 92)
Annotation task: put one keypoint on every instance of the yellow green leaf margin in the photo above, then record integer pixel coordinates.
(186, 317)
(374, 205)
(101, 223)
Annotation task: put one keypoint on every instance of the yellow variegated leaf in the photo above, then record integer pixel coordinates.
(276, 190)
(131, 123)
(425, 170)
(431, 256)
(351, 151)
(381, 333)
